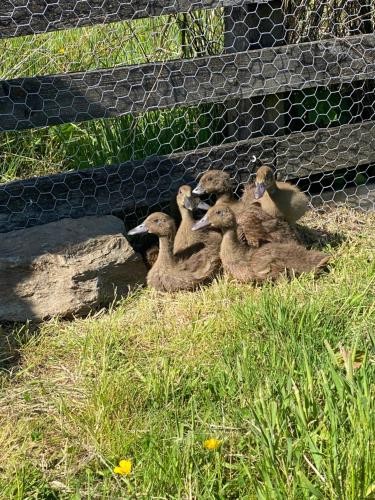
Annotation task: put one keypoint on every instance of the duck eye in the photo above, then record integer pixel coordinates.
(209, 178)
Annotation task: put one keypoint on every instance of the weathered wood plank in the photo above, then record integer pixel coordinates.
(27, 17)
(325, 150)
(125, 188)
(76, 97)
(116, 188)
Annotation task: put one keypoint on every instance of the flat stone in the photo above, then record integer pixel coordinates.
(66, 268)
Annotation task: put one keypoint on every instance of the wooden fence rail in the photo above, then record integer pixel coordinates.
(134, 184)
(20, 17)
(76, 97)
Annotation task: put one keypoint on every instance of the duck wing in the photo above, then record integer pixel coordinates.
(241, 271)
(274, 259)
(171, 280)
(256, 227)
(202, 265)
(278, 229)
(250, 228)
(184, 254)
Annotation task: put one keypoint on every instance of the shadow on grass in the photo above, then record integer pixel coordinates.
(13, 337)
(318, 239)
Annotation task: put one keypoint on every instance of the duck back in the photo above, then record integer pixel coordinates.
(185, 272)
(268, 262)
(256, 227)
(287, 202)
(274, 259)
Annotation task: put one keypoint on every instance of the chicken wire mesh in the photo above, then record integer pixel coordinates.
(135, 108)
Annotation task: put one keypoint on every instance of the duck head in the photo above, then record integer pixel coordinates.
(157, 223)
(214, 181)
(218, 216)
(186, 199)
(265, 179)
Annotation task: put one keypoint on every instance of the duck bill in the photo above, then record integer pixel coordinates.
(204, 222)
(203, 206)
(188, 203)
(141, 229)
(198, 190)
(260, 189)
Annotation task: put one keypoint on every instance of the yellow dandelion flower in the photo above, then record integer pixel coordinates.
(124, 468)
(211, 444)
(61, 51)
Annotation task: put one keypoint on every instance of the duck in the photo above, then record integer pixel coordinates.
(172, 273)
(186, 240)
(218, 182)
(250, 264)
(254, 225)
(278, 199)
(187, 202)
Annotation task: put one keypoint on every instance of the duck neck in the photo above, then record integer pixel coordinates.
(186, 216)
(225, 198)
(165, 250)
(273, 190)
(230, 245)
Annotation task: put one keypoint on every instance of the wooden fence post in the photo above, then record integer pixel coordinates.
(254, 26)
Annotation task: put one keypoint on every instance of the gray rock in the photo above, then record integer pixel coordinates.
(65, 268)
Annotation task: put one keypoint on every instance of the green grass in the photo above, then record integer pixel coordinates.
(156, 375)
(111, 141)
(99, 142)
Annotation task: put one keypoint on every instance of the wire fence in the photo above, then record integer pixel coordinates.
(109, 107)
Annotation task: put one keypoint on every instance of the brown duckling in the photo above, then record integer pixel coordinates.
(171, 273)
(254, 225)
(258, 264)
(218, 182)
(187, 202)
(278, 199)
